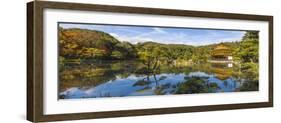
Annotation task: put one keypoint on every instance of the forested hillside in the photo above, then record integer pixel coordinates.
(88, 44)
(85, 44)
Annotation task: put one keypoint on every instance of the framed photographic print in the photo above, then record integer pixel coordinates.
(96, 61)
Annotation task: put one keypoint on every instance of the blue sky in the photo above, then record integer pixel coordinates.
(135, 34)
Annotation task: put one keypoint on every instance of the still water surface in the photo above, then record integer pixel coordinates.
(120, 78)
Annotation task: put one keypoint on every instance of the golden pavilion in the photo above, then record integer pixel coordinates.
(221, 54)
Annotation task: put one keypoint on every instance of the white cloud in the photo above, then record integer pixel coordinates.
(158, 30)
(114, 35)
(132, 40)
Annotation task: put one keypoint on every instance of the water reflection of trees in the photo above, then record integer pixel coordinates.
(151, 82)
(245, 74)
(196, 85)
(250, 73)
(88, 75)
(95, 73)
(189, 86)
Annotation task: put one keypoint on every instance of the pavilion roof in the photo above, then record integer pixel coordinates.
(221, 50)
(221, 47)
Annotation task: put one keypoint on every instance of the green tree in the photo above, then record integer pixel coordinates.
(117, 55)
(249, 47)
(91, 53)
(151, 57)
(251, 35)
(248, 54)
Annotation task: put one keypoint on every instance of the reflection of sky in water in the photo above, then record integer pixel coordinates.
(127, 86)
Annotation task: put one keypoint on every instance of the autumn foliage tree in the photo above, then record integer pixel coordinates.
(90, 44)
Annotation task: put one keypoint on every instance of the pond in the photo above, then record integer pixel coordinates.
(95, 79)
